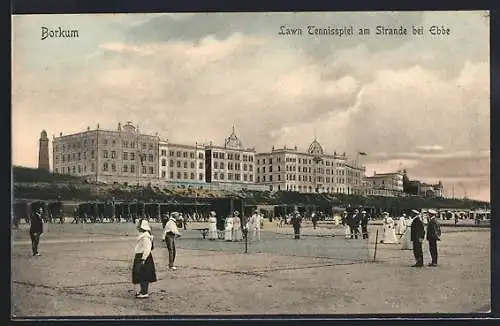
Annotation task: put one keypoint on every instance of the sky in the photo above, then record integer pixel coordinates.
(419, 102)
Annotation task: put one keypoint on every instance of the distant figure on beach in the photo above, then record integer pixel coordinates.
(296, 221)
(433, 236)
(212, 226)
(228, 230)
(237, 233)
(417, 237)
(364, 224)
(389, 231)
(255, 224)
(36, 230)
(401, 225)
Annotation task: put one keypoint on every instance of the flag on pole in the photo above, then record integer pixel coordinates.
(362, 153)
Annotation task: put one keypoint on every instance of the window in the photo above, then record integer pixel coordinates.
(163, 162)
(113, 167)
(163, 152)
(84, 155)
(132, 144)
(191, 155)
(178, 154)
(150, 147)
(92, 168)
(150, 157)
(216, 165)
(79, 169)
(215, 175)
(56, 170)
(245, 177)
(185, 165)
(105, 141)
(200, 177)
(171, 162)
(105, 167)
(185, 175)
(250, 167)
(192, 165)
(171, 153)
(171, 175)
(113, 154)
(250, 177)
(184, 154)
(105, 154)
(125, 143)
(132, 169)
(92, 154)
(144, 145)
(178, 164)
(151, 170)
(237, 177)
(73, 156)
(132, 156)
(114, 142)
(79, 156)
(125, 168)
(125, 156)
(144, 170)
(163, 174)
(222, 165)
(192, 176)
(230, 176)
(200, 156)
(200, 165)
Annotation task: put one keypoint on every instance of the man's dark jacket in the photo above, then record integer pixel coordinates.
(433, 230)
(36, 223)
(417, 229)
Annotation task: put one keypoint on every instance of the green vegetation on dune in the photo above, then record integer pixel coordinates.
(40, 184)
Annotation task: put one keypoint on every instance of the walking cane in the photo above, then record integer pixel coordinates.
(376, 242)
(246, 240)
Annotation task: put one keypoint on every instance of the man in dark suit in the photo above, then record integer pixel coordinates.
(36, 229)
(417, 237)
(433, 236)
(296, 221)
(364, 224)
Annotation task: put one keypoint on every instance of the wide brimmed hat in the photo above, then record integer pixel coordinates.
(236, 213)
(363, 212)
(415, 211)
(145, 225)
(212, 213)
(385, 213)
(431, 211)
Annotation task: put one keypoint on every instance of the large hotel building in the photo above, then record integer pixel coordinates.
(311, 171)
(127, 156)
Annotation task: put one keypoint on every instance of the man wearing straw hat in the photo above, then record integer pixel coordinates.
(433, 236)
(171, 232)
(364, 224)
(417, 235)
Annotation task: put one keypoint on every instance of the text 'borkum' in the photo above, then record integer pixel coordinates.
(58, 33)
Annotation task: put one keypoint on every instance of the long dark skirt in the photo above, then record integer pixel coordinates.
(143, 273)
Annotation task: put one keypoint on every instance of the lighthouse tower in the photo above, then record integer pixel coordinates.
(43, 152)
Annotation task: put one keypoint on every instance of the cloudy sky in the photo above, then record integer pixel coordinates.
(419, 102)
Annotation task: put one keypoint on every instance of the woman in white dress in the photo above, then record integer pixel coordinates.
(228, 234)
(406, 239)
(212, 226)
(237, 234)
(401, 226)
(347, 229)
(389, 231)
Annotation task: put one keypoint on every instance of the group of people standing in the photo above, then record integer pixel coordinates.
(352, 222)
(236, 227)
(412, 233)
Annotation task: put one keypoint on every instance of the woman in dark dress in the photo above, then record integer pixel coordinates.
(143, 271)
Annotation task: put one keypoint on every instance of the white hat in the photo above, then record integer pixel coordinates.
(145, 225)
(433, 212)
(212, 213)
(363, 212)
(386, 213)
(415, 211)
(236, 213)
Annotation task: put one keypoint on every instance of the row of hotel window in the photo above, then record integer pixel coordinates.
(217, 165)
(302, 178)
(106, 167)
(163, 152)
(184, 176)
(105, 142)
(300, 161)
(310, 189)
(233, 156)
(105, 154)
(308, 170)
